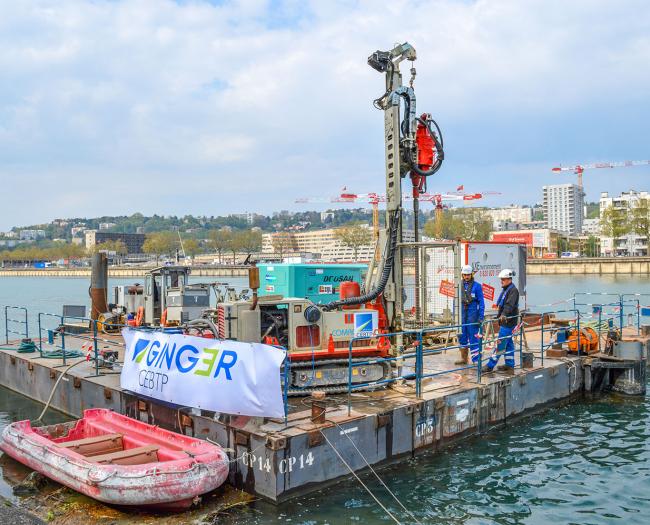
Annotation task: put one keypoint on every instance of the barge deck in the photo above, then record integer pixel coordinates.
(280, 458)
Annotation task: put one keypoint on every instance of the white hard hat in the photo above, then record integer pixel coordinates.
(466, 270)
(506, 273)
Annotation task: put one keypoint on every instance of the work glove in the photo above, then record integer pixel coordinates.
(502, 319)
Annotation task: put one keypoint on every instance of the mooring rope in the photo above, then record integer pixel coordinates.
(359, 479)
(377, 475)
(49, 400)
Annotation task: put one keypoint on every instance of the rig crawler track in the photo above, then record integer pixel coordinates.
(331, 376)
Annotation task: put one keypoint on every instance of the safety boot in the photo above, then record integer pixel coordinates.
(464, 357)
(506, 369)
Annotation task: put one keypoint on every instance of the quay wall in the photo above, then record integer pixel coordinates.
(590, 266)
(122, 271)
(568, 266)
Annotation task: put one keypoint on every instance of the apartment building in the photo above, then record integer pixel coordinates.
(563, 208)
(629, 243)
(132, 241)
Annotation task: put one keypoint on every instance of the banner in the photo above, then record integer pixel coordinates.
(211, 374)
(447, 288)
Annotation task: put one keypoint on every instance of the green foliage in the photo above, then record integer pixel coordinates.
(563, 245)
(248, 241)
(614, 222)
(191, 247)
(202, 225)
(639, 218)
(32, 253)
(160, 243)
(110, 246)
(592, 247)
(220, 241)
(593, 210)
(470, 224)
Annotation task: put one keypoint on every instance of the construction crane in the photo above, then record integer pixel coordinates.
(580, 168)
(375, 198)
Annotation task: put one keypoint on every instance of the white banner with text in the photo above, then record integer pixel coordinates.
(211, 374)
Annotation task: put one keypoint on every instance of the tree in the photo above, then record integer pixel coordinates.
(160, 243)
(614, 222)
(592, 248)
(354, 236)
(639, 218)
(593, 210)
(249, 241)
(282, 242)
(191, 247)
(471, 224)
(220, 241)
(110, 246)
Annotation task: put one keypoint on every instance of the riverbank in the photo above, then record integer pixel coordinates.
(124, 271)
(569, 266)
(589, 266)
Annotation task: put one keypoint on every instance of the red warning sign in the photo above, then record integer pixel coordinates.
(488, 292)
(447, 288)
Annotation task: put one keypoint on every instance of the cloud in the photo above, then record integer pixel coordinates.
(219, 107)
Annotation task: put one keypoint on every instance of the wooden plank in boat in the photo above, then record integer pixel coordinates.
(131, 456)
(96, 445)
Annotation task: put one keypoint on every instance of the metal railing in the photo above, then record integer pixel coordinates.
(618, 304)
(417, 352)
(24, 323)
(559, 334)
(409, 363)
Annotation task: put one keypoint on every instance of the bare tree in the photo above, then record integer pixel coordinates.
(282, 242)
(354, 236)
(220, 241)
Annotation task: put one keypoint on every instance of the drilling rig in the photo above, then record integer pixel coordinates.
(321, 338)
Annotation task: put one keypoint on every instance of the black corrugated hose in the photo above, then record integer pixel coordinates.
(391, 246)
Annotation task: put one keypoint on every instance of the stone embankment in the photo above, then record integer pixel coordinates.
(122, 271)
(568, 266)
(590, 266)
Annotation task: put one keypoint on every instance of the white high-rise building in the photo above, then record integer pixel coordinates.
(630, 243)
(564, 208)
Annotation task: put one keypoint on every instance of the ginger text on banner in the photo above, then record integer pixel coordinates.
(221, 376)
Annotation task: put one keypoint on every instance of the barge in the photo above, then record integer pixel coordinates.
(277, 459)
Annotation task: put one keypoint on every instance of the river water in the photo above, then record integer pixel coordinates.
(582, 463)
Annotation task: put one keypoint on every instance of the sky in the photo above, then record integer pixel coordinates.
(211, 108)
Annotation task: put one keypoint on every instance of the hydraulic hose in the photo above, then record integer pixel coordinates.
(391, 246)
(203, 323)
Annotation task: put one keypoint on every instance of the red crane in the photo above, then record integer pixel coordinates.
(580, 168)
(375, 198)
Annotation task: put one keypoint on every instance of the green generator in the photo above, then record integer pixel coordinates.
(317, 282)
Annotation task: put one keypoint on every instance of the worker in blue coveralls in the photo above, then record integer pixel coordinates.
(473, 307)
(508, 317)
